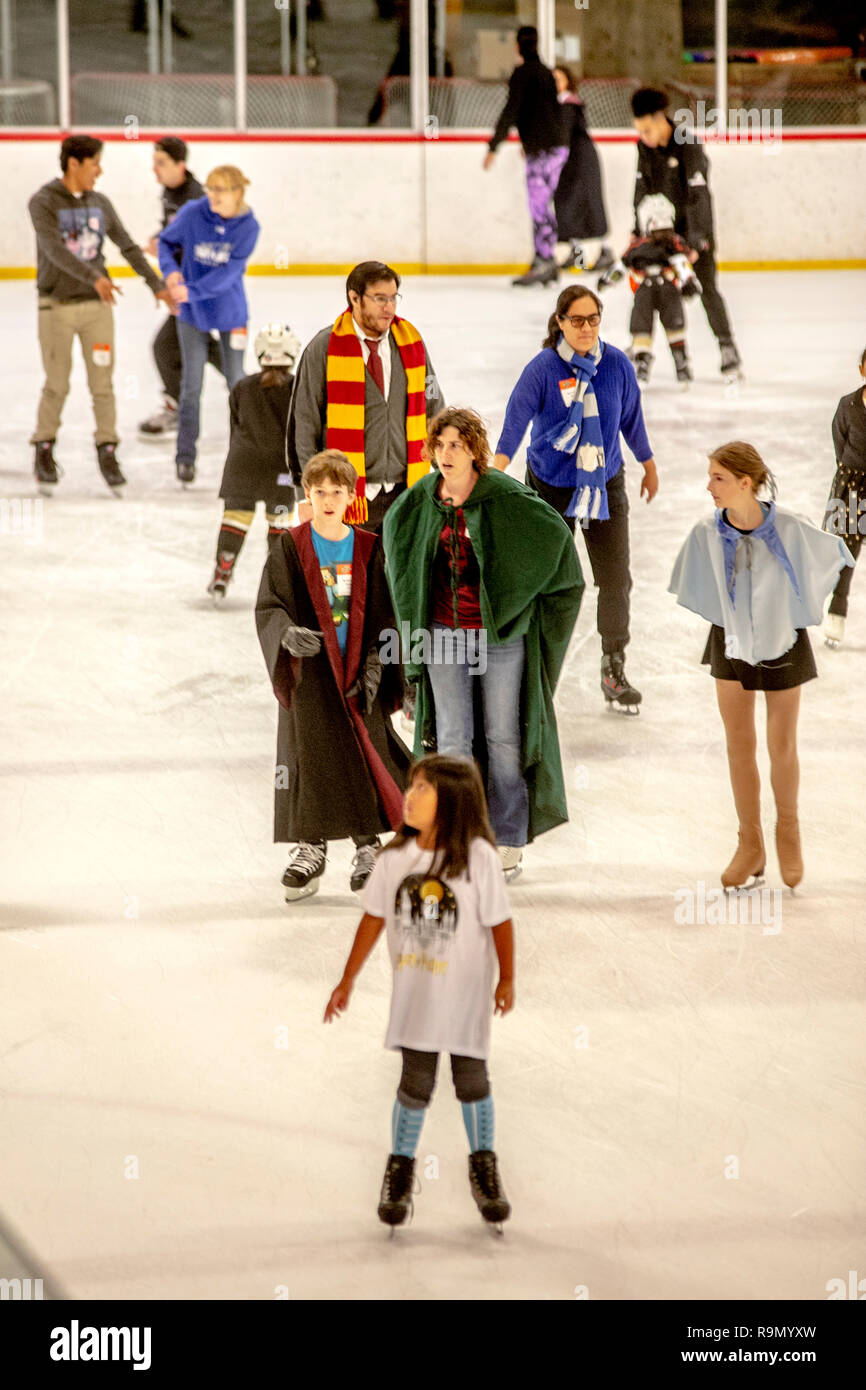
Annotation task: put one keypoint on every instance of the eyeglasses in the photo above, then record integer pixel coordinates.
(578, 320)
(383, 299)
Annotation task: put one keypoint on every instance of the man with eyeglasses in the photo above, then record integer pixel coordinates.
(366, 386)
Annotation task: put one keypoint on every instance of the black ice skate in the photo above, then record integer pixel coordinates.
(303, 871)
(45, 467)
(221, 577)
(185, 472)
(615, 686)
(541, 272)
(730, 364)
(362, 865)
(487, 1188)
(395, 1199)
(606, 260)
(642, 364)
(685, 376)
(109, 467)
(160, 425)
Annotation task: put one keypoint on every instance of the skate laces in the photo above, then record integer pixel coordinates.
(400, 1178)
(306, 857)
(484, 1168)
(365, 857)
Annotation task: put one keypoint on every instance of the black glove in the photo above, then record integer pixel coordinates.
(301, 641)
(366, 687)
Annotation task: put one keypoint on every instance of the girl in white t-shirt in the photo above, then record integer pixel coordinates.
(438, 885)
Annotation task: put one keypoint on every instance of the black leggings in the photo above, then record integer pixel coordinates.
(418, 1078)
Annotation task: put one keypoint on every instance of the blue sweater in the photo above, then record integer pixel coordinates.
(215, 253)
(537, 399)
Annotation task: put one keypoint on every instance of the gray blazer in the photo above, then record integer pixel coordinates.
(384, 421)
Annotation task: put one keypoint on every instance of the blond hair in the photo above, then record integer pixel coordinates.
(236, 180)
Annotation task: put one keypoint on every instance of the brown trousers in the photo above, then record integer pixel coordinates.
(60, 322)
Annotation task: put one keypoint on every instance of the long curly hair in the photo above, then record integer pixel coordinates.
(469, 425)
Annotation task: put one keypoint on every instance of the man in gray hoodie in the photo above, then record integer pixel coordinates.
(75, 300)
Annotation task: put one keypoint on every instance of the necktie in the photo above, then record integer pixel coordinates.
(374, 365)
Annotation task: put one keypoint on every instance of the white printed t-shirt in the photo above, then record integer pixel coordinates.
(441, 947)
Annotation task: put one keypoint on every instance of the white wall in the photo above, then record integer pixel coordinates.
(331, 202)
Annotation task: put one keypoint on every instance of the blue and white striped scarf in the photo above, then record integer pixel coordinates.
(581, 436)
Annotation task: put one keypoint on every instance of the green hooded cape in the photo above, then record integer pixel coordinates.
(531, 586)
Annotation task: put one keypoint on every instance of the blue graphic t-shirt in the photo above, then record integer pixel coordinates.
(335, 560)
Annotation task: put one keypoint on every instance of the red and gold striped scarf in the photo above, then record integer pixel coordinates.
(346, 386)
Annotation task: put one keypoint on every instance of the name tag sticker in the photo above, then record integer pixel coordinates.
(102, 354)
(567, 389)
(344, 580)
(238, 338)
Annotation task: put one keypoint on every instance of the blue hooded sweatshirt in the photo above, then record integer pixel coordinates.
(215, 254)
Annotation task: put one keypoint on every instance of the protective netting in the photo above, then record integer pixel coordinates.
(25, 102)
(187, 101)
(466, 102)
(800, 103)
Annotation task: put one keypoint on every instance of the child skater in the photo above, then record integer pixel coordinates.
(323, 609)
(255, 468)
(661, 275)
(759, 575)
(439, 888)
(846, 509)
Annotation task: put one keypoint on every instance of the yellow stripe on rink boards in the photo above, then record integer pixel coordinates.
(125, 272)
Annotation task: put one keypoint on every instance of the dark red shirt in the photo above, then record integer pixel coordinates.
(456, 556)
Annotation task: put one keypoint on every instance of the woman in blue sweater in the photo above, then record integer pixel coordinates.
(216, 235)
(578, 394)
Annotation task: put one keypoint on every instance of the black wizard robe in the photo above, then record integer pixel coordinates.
(341, 768)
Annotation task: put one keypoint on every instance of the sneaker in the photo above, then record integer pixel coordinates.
(362, 865)
(108, 466)
(511, 859)
(162, 423)
(304, 869)
(45, 467)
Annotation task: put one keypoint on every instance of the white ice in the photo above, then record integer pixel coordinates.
(679, 1107)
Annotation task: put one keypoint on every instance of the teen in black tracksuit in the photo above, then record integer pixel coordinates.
(681, 173)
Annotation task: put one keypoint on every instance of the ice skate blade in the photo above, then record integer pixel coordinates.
(46, 489)
(831, 642)
(295, 895)
(622, 708)
(754, 881)
(511, 874)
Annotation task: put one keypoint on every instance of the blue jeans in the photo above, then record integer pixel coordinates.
(453, 688)
(194, 344)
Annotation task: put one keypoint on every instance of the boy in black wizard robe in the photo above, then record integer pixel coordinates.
(323, 609)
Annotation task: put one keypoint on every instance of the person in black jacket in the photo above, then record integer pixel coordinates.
(256, 469)
(581, 220)
(179, 185)
(679, 169)
(533, 107)
(846, 508)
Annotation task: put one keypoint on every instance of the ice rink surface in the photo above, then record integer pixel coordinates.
(680, 1106)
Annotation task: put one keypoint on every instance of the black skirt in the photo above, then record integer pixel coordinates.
(793, 667)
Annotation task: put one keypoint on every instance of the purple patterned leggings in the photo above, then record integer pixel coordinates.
(542, 176)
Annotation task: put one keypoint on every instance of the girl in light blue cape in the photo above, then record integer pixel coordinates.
(760, 576)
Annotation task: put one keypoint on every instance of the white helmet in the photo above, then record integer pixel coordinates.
(655, 213)
(277, 346)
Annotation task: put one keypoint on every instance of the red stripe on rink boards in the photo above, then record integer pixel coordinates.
(399, 137)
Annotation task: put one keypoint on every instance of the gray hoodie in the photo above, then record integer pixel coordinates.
(70, 231)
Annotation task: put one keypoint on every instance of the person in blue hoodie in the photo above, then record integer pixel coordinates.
(579, 394)
(216, 235)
